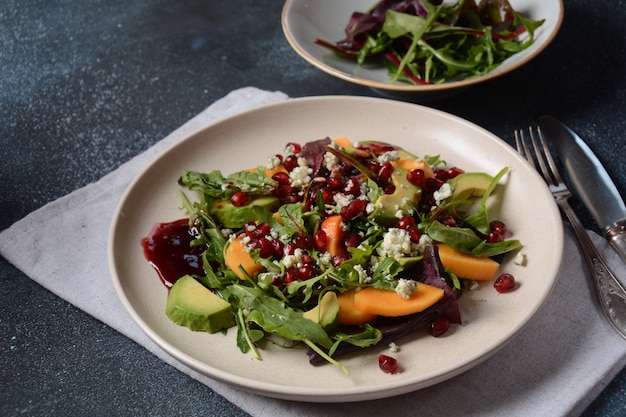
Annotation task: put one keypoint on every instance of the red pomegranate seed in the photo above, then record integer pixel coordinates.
(319, 240)
(282, 178)
(283, 191)
(498, 227)
(335, 183)
(291, 275)
(417, 177)
(441, 174)
(352, 187)
(290, 162)
(439, 326)
(240, 198)
(385, 172)
(303, 242)
(339, 259)
(414, 235)
(454, 171)
(388, 365)
(406, 223)
(505, 283)
(433, 184)
(295, 148)
(390, 189)
(353, 209)
(306, 272)
(353, 240)
(493, 237)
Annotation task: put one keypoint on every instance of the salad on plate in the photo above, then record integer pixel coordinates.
(334, 245)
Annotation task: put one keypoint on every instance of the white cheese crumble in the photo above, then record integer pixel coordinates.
(300, 176)
(342, 200)
(394, 348)
(406, 288)
(330, 159)
(520, 259)
(363, 277)
(396, 244)
(273, 162)
(389, 156)
(442, 193)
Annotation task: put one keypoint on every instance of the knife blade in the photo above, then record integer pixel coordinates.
(589, 180)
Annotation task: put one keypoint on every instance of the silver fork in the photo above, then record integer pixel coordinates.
(611, 293)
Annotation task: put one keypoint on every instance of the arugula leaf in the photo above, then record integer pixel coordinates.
(275, 317)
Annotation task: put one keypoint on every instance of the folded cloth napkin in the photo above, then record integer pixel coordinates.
(556, 366)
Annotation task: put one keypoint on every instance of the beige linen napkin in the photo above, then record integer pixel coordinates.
(556, 366)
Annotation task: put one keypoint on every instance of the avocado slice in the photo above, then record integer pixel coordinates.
(194, 306)
(469, 184)
(404, 198)
(232, 217)
(326, 313)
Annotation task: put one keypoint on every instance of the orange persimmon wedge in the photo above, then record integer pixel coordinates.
(349, 315)
(467, 266)
(388, 303)
(333, 228)
(236, 255)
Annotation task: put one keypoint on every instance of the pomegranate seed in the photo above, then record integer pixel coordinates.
(353, 240)
(294, 148)
(282, 178)
(406, 223)
(433, 184)
(494, 237)
(278, 247)
(291, 275)
(307, 259)
(306, 272)
(498, 227)
(283, 191)
(327, 195)
(441, 174)
(352, 187)
(303, 242)
(414, 235)
(439, 326)
(390, 189)
(454, 171)
(339, 259)
(385, 172)
(266, 249)
(505, 283)
(319, 240)
(388, 365)
(353, 209)
(240, 198)
(335, 183)
(290, 162)
(292, 198)
(417, 177)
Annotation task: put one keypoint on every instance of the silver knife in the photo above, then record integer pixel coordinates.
(590, 181)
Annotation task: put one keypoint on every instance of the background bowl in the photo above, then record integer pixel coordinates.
(304, 21)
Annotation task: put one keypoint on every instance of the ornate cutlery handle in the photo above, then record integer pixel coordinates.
(611, 293)
(616, 235)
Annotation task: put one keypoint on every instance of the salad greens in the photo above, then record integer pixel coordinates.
(389, 214)
(430, 42)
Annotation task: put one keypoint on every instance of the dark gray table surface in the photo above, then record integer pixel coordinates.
(87, 84)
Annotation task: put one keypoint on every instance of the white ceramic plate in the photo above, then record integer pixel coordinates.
(246, 140)
(304, 21)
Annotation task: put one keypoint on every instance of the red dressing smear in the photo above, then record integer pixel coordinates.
(168, 250)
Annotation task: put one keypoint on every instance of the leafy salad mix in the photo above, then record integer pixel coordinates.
(431, 42)
(338, 246)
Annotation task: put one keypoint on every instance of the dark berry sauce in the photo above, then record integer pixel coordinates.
(168, 250)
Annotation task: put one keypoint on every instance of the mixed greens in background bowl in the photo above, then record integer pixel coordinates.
(420, 49)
